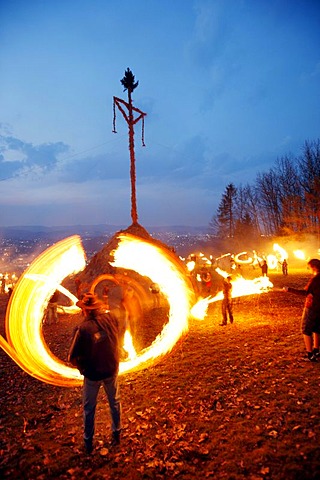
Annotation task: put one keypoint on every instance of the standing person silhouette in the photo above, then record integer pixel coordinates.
(227, 305)
(52, 309)
(264, 268)
(285, 267)
(310, 322)
(95, 352)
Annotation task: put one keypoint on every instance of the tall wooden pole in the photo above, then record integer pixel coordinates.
(134, 211)
(129, 84)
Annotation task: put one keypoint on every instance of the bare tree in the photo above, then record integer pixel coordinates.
(251, 196)
(269, 200)
(291, 195)
(284, 200)
(245, 214)
(309, 174)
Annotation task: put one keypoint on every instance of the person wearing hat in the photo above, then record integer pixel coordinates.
(95, 352)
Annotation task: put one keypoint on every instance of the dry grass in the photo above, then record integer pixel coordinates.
(229, 402)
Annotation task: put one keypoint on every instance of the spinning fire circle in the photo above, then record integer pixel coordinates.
(25, 341)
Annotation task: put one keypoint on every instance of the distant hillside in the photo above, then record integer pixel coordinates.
(179, 229)
(55, 233)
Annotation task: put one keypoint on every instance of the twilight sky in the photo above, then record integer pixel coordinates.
(228, 87)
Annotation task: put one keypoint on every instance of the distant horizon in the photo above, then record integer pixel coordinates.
(96, 225)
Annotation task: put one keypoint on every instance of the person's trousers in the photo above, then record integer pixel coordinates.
(90, 394)
(227, 308)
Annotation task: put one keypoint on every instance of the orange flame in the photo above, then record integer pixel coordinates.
(163, 268)
(282, 254)
(191, 265)
(128, 345)
(26, 344)
(299, 254)
(244, 261)
(240, 288)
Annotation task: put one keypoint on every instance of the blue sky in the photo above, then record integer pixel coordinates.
(228, 87)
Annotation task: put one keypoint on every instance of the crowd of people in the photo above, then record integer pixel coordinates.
(204, 279)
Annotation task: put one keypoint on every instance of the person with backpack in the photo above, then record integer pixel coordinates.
(95, 352)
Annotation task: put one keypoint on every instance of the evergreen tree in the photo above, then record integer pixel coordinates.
(226, 212)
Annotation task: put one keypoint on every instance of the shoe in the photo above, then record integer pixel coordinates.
(316, 353)
(115, 440)
(222, 324)
(312, 357)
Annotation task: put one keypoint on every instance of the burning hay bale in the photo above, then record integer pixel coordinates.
(126, 290)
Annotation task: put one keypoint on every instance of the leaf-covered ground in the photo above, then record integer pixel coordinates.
(229, 402)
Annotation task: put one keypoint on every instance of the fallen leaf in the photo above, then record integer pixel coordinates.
(296, 427)
(264, 470)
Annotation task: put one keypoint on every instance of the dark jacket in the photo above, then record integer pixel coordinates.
(264, 268)
(95, 346)
(312, 292)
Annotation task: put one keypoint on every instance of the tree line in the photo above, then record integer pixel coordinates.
(282, 201)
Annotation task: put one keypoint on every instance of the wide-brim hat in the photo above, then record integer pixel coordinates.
(90, 301)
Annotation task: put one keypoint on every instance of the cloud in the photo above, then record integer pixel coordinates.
(48, 202)
(8, 169)
(173, 163)
(103, 166)
(18, 157)
(55, 161)
(209, 35)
